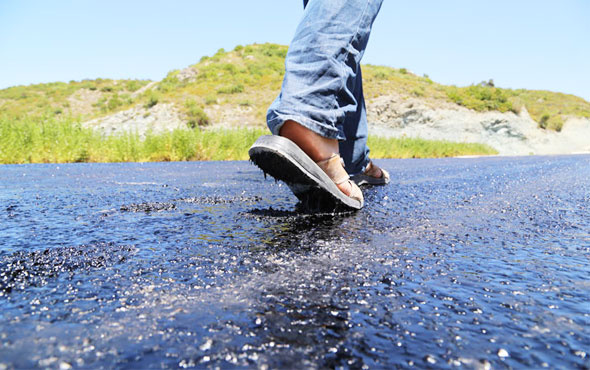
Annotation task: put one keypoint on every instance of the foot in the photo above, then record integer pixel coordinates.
(374, 171)
(317, 147)
(373, 175)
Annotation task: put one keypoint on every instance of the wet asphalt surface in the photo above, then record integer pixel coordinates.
(473, 263)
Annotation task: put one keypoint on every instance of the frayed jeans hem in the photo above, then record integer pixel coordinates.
(279, 120)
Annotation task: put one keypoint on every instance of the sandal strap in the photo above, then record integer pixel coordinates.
(334, 168)
(384, 174)
(355, 192)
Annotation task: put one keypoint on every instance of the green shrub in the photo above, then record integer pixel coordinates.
(231, 89)
(210, 99)
(113, 103)
(551, 122)
(134, 85)
(249, 50)
(170, 83)
(152, 99)
(555, 123)
(418, 91)
(543, 121)
(196, 115)
(480, 98)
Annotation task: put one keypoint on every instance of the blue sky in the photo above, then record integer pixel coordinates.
(518, 43)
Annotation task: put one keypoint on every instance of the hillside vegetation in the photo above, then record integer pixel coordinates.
(248, 78)
(59, 141)
(231, 89)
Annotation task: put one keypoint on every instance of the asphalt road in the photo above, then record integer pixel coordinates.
(479, 263)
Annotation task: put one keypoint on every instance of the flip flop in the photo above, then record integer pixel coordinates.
(313, 183)
(364, 179)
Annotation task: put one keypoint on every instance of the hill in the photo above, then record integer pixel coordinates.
(234, 89)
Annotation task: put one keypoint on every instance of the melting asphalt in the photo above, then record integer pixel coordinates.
(477, 263)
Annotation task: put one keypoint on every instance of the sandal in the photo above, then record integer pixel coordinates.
(315, 184)
(365, 179)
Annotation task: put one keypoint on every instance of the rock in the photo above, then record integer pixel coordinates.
(510, 134)
(188, 73)
(159, 119)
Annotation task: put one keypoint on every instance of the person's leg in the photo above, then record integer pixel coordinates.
(322, 70)
(322, 66)
(354, 149)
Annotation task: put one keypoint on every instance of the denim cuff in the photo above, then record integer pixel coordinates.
(275, 121)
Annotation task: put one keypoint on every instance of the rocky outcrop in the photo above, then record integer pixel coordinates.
(157, 119)
(509, 133)
(187, 74)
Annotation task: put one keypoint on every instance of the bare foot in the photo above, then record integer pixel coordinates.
(317, 147)
(373, 170)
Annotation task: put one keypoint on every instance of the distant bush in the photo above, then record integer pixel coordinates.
(170, 83)
(196, 115)
(543, 121)
(556, 123)
(381, 76)
(152, 99)
(230, 68)
(550, 122)
(134, 85)
(273, 50)
(480, 98)
(113, 103)
(231, 89)
(418, 91)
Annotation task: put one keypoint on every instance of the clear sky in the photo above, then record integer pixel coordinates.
(534, 44)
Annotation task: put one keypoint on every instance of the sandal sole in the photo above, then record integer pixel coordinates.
(284, 160)
(362, 179)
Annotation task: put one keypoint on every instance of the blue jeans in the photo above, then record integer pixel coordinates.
(322, 89)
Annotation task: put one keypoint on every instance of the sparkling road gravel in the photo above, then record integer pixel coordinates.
(473, 263)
